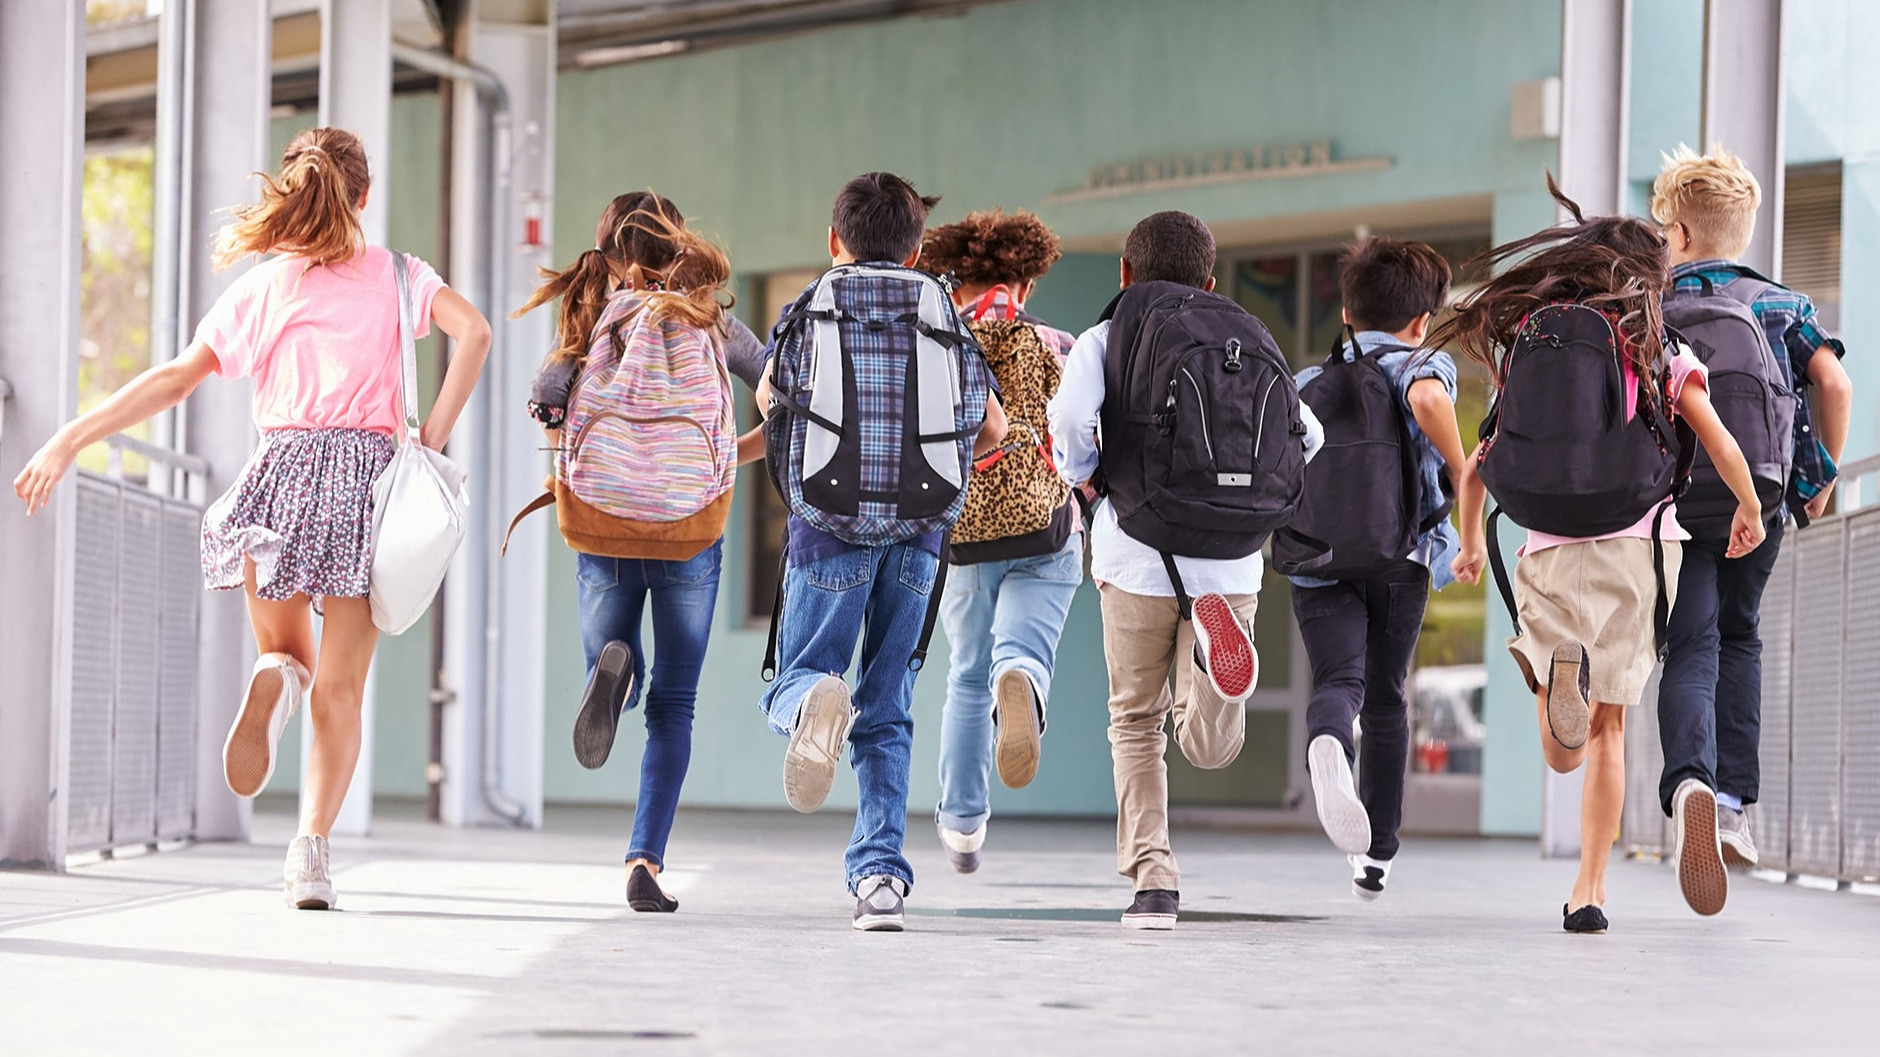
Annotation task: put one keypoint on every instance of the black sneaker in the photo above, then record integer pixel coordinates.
(1154, 908)
(1588, 919)
(878, 905)
(599, 718)
(645, 895)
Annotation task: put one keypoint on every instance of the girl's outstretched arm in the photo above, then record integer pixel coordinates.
(1746, 527)
(1471, 500)
(467, 327)
(156, 390)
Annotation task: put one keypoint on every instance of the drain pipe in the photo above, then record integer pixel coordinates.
(498, 162)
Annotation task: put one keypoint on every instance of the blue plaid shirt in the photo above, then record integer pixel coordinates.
(1788, 320)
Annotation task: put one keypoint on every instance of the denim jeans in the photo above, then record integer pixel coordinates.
(998, 616)
(614, 594)
(879, 596)
(1710, 696)
(1360, 636)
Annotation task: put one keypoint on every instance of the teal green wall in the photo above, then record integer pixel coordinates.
(1004, 106)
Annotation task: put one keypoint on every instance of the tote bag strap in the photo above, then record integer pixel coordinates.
(407, 348)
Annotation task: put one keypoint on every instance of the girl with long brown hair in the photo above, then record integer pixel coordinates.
(316, 326)
(1586, 604)
(653, 289)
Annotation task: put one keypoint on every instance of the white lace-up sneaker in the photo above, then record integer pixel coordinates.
(1340, 811)
(1368, 876)
(962, 848)
(248, 756)
(878, 905)
(309, 886)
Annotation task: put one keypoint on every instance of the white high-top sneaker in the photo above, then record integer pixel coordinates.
(248, 756)
(309, 886)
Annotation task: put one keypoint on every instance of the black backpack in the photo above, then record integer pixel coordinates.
(1201, 428)
(1559, 453)
(1750, 390)
(1364, 491)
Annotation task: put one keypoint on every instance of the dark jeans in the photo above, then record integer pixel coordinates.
(877, 595)
(1710, 697)
(1360, 636)
(614, 593)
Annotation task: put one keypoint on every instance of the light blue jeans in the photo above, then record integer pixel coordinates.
(998, 616)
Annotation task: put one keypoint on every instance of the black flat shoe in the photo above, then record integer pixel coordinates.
(1588, 919)
(607, 690)
(645, 895)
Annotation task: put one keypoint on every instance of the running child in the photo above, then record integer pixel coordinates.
(1591, 436)
(1376, 492)
(1017, 553)
(637, 401)
(317, 328)
(877, 400)
(1180, 409)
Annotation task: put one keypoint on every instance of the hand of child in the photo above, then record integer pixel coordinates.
(1746, 531)
(1468, 563)
(1819, 505)
(35, 483)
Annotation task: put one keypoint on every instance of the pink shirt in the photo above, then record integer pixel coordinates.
(1685, 367)
(320, 341)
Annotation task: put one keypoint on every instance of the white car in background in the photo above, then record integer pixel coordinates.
(1446, 730)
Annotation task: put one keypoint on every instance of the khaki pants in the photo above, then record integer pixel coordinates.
(1143, 638)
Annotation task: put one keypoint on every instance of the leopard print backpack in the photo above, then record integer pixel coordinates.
(1015, 493)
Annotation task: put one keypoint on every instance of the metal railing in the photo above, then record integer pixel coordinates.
(1819, 813)
(136, 597)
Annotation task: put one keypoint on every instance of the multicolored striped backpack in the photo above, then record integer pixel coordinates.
(648, 451)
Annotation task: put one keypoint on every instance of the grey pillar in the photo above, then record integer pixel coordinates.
(42, 116)
(228, 91)
(1595, 94)
(356, 95)
(1743, 107)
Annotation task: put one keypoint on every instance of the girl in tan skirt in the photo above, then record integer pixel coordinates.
(1589, 604)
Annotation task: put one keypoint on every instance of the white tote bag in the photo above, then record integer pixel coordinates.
(418, 502)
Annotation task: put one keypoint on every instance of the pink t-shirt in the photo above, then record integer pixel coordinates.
(1685, 368)
(320, 341)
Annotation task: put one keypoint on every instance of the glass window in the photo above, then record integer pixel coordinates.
(1268, 287)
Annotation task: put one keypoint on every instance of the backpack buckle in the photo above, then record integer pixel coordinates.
(1233, 356)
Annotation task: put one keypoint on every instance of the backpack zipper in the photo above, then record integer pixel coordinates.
(580, 438)
(1201, 404)
(1259, 435)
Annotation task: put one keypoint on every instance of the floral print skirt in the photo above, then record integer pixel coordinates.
(302, 510)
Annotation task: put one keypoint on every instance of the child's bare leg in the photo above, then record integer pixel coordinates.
(347, 640)
(1602, 803)
(1560, 759)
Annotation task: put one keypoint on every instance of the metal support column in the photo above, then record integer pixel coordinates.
(228, 91)
(504, 112)
(356, 95)
(1743, 107)
(42, 115)
(1595, 91)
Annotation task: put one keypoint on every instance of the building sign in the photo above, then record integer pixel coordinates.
(1198, 168)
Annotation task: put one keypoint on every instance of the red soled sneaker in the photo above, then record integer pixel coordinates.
(1224, 648)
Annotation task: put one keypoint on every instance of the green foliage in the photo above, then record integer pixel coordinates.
(114, 292)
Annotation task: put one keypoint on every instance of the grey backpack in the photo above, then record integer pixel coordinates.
(1749, 388)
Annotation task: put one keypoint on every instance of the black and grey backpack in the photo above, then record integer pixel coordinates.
(1364, 492)
(1202, 452)
(1749, 388)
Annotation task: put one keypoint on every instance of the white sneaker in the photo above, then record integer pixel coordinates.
(248, 756)
(309, 886)
(1368, 876)
(962, 848)
(822, 728)
(1225, 648)
(1701, 876)
(878, 906)
(1340, 811)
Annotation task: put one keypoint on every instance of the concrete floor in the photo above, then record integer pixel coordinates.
(455, 943)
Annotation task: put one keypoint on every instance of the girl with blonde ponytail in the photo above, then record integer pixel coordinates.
(653, 289)
(316, 326)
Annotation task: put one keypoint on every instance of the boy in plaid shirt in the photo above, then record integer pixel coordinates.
(836, 592)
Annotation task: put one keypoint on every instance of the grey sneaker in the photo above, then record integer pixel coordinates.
(878, 905)
(962, 848)
(822, 728)
(309, 886)
(1701, 876)
(1739, 849)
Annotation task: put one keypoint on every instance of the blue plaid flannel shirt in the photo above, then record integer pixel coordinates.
(1788, 320)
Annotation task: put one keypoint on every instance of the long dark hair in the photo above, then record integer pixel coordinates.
(1619, 265)
(636, 232)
